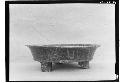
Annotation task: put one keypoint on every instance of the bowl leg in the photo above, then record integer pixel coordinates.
(46, 66)
(84, 64)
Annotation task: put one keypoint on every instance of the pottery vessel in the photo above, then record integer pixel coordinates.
(63, 53)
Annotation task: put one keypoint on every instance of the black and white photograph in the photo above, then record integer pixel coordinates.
(62, 41)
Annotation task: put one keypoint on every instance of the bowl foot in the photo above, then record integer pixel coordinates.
(84, 64)
(46, 66)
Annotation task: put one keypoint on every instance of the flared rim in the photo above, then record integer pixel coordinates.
(66, 45)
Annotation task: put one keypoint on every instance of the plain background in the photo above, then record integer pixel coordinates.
(69, 23)
(121, 35)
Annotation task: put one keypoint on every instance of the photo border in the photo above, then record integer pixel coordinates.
(7, 25)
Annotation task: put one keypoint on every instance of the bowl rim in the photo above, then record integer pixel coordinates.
(64, 45)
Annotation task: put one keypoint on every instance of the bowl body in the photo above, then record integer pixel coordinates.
(63, 52)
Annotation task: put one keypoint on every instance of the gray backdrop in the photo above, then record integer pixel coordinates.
(58, 24)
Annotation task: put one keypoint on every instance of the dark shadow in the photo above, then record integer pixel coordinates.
(65, 67)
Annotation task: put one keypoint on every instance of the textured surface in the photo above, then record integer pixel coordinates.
(46, 66)
(84, 64)
(63, 52)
